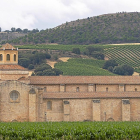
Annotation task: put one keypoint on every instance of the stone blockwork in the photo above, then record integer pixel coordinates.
(22, 100)
(21, 108)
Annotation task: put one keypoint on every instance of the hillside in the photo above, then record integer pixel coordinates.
(109, 28)
(7, 36)
(83, 67)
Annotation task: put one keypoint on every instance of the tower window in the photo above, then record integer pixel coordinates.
(1, 57)
(14, 57)
(49, 105)
(135, 89)
(8, 57)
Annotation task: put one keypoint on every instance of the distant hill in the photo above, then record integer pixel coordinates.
(5, 36)
(105, 29)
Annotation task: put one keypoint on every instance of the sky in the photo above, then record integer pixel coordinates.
(44, 14)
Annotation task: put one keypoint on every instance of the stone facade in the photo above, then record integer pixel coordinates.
(66, 98)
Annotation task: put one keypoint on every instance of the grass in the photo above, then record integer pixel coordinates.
(80, 66)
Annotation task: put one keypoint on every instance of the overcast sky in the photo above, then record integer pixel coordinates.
(43, 14)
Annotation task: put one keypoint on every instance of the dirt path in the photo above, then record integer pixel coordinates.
(52, 63)
(64, 59)
(135, 73)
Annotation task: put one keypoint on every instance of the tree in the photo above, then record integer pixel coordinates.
(25, 30)
(18, 30)
(123, 70)
(98, 55)
(13, 29)
(57, 71)
(109, 63)
(24, 62)
(76, 50)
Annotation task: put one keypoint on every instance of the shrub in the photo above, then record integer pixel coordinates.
(109, 63)
(123, 70)
(76, 50)
(31, 66)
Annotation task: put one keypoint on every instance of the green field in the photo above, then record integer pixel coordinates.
(53, 47)
(124, 54)
(80, 66)
(70, 131)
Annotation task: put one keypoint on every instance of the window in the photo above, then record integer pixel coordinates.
(107, 89)
(14, 57)
(8, 57)
(49, 105)
(14, 96)
(77, 89)
(1, 57)
(135, 89)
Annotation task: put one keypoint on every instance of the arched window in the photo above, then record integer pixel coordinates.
(49, 105)
(14, 95)
(14, 57)
(1, 57)
(8, 57)
(135, 89)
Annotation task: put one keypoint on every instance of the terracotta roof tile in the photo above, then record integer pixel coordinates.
(37, 80)
(96, 95)
(7, 47)
(11, 67)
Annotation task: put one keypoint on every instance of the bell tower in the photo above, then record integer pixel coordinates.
(9, 68)
(8, 54)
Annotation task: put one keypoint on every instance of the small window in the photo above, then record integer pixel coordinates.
(77, 89)
(49, 105)
(8, 57)
(45, 89)
(135, 89)
(14, 57)
(1, 57)
(14, 95)
(107, 89)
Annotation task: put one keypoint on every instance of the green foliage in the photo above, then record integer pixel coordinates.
(91, 49)
(76, 50)
(109, 28)
(24, 62)
(109, 64)
(29, 58)
(70, 131)
(123, 70)
(124, 54)
(46, 70)
(31, 66)
(55, 57)
(82, 67)
(98, 55)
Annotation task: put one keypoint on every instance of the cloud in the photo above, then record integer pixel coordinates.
(44, 14)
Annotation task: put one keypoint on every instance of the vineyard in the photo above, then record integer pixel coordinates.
(124, 54)
(70, 131)
(82, 67)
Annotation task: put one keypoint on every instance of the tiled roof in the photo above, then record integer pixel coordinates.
(37, 80)
(86, 95)
(7, 47)
(11, 67)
